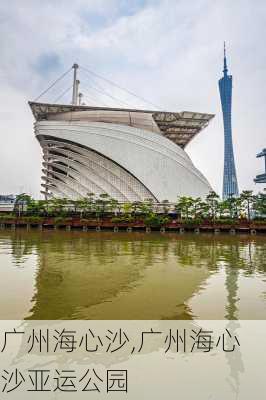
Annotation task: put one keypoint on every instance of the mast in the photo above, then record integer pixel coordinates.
(75, 85)
(77, 91)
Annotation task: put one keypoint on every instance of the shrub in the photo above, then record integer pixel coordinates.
(122, 219)
(5, 217)
(226, 221)
(192, 222)
(32, 219)
(155, 220)
(259, 221)
(58, 220)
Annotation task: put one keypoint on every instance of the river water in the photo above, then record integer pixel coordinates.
(87, 275)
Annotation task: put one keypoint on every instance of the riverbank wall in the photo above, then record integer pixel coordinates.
(107, 225)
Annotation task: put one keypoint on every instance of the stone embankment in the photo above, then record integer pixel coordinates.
(107, 225)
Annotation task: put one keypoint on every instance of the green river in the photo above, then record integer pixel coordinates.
(87, 275)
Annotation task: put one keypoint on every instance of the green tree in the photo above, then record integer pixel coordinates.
(247, 200)
(198, 208)
(22, 202)
(104, 199)
(127, 209)
(135, 208)
(146, 207)
(82, 206)
(44, 207)
(259, 205)
(113, 205)
(212, 201)
(166, 206)
(90, 203)
(101, 205)
(34, 207)
(59, 205)
(233, 205)
(184, 206)
(224, 210)
(155, 220)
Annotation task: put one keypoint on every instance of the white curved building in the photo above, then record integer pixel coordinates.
(132, 155)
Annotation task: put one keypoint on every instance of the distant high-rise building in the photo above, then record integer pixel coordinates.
(262, 177)
(230, 186)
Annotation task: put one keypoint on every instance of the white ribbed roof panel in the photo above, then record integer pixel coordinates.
(163, 169)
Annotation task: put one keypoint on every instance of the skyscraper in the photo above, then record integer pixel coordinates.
(230, 186)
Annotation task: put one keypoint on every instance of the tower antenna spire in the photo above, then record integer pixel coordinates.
(225, 63)
(75, 85)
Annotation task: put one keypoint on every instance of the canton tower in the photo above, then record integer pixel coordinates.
(230, 186)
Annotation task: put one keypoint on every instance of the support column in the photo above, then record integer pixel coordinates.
(74, 93)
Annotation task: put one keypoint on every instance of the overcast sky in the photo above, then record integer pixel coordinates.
(167, 51)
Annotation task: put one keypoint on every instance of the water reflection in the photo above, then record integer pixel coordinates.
(76, 275)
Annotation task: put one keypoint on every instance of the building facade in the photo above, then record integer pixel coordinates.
(261, 178)
(131, 155)
(7, 202)
(230, 185)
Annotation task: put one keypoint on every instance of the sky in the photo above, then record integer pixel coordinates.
(169, 52)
